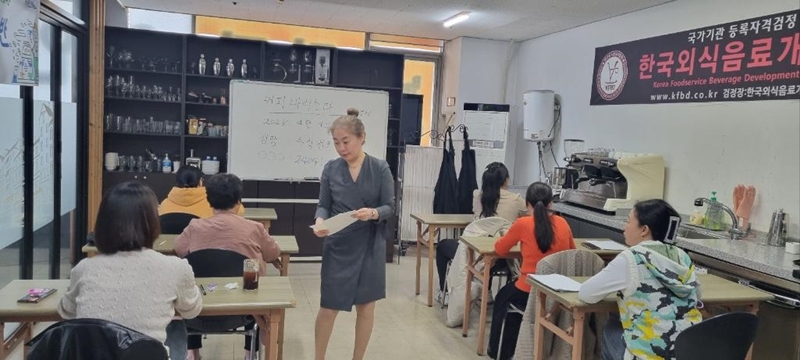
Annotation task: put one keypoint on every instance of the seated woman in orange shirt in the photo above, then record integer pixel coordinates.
(189, 195)
(539, 235)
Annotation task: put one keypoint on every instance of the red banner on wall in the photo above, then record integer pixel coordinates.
(753, 59)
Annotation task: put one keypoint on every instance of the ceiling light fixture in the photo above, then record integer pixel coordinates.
(404, 48)
(280, 42)
(209, 36)
(457, 18)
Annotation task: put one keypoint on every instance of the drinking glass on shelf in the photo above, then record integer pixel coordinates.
(293, 66)
(127, 126)
(137, 126)
(323, 73)
(124, 88)
(123, 163)
(140, 163)
(110, 86)
(109, 118)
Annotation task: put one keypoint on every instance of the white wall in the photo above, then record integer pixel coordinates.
(707, 146)
(482, 71)
(475, 72)
(451, 78)
(116, 14)
(160, 21)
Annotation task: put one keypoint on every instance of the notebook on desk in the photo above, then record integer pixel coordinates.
(557, 282)
(604, 245)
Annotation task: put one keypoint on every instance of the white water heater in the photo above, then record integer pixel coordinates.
(538, 115)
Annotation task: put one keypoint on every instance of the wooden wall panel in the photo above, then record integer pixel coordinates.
(97, 27)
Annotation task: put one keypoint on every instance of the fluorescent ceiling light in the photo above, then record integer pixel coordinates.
(349, 48)
(281, 42)
(404, 48)
(464, 15)
(209, 36)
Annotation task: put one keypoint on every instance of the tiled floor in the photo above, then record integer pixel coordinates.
(405, 327)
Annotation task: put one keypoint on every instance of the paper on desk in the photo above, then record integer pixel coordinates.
(336, 223)
(607, 245)
(557, 282)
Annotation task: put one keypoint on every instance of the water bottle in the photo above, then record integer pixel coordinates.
(166, 164)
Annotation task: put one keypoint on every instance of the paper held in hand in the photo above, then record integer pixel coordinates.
(336, 223)
(557, 282)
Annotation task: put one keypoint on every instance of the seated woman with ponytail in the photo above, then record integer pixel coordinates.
(493, 199)
(539, 235)
(656, 286)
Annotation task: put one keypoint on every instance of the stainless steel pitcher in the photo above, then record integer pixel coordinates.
(777, 229)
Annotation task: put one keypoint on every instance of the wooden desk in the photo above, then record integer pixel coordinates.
(165, 244)
(272, 299)
(263, 215)
(606, 255)
(484, 247)
(288, 245)
(435, 223)
(715, 291)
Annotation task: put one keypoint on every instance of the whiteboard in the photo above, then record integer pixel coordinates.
(280, 131)
(488, 133)
(486, 125)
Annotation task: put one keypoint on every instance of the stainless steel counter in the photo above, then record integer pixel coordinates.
(751, 253)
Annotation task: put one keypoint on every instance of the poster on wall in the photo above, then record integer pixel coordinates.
(753, 59)
(19, 42)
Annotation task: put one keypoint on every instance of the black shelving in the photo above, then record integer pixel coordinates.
(145, 100)
(139, 71)
(205, 104)
(214, 77)
(206, 137)
(371, 87)
(140, 134)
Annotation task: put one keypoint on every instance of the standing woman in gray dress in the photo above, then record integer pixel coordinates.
(353, 259)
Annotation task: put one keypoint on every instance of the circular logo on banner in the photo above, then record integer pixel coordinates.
(612, 75)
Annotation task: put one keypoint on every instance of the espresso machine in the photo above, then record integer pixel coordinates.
(615, 180)
(566, 177)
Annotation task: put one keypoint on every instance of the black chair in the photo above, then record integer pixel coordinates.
(724, 337)
(94, 339)
(220, 263)
(174, 223)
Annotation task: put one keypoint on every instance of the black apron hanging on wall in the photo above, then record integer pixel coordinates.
(445, 198)
(467, 179)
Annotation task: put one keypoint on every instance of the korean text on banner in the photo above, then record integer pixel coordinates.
(753, 59)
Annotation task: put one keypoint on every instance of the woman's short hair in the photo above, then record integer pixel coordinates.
(188, 177)
(127, 219)
(349, 122)
(224, 191)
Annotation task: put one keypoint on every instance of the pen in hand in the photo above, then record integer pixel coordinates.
(202, 289)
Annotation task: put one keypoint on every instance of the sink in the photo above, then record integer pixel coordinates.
(695, 232)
